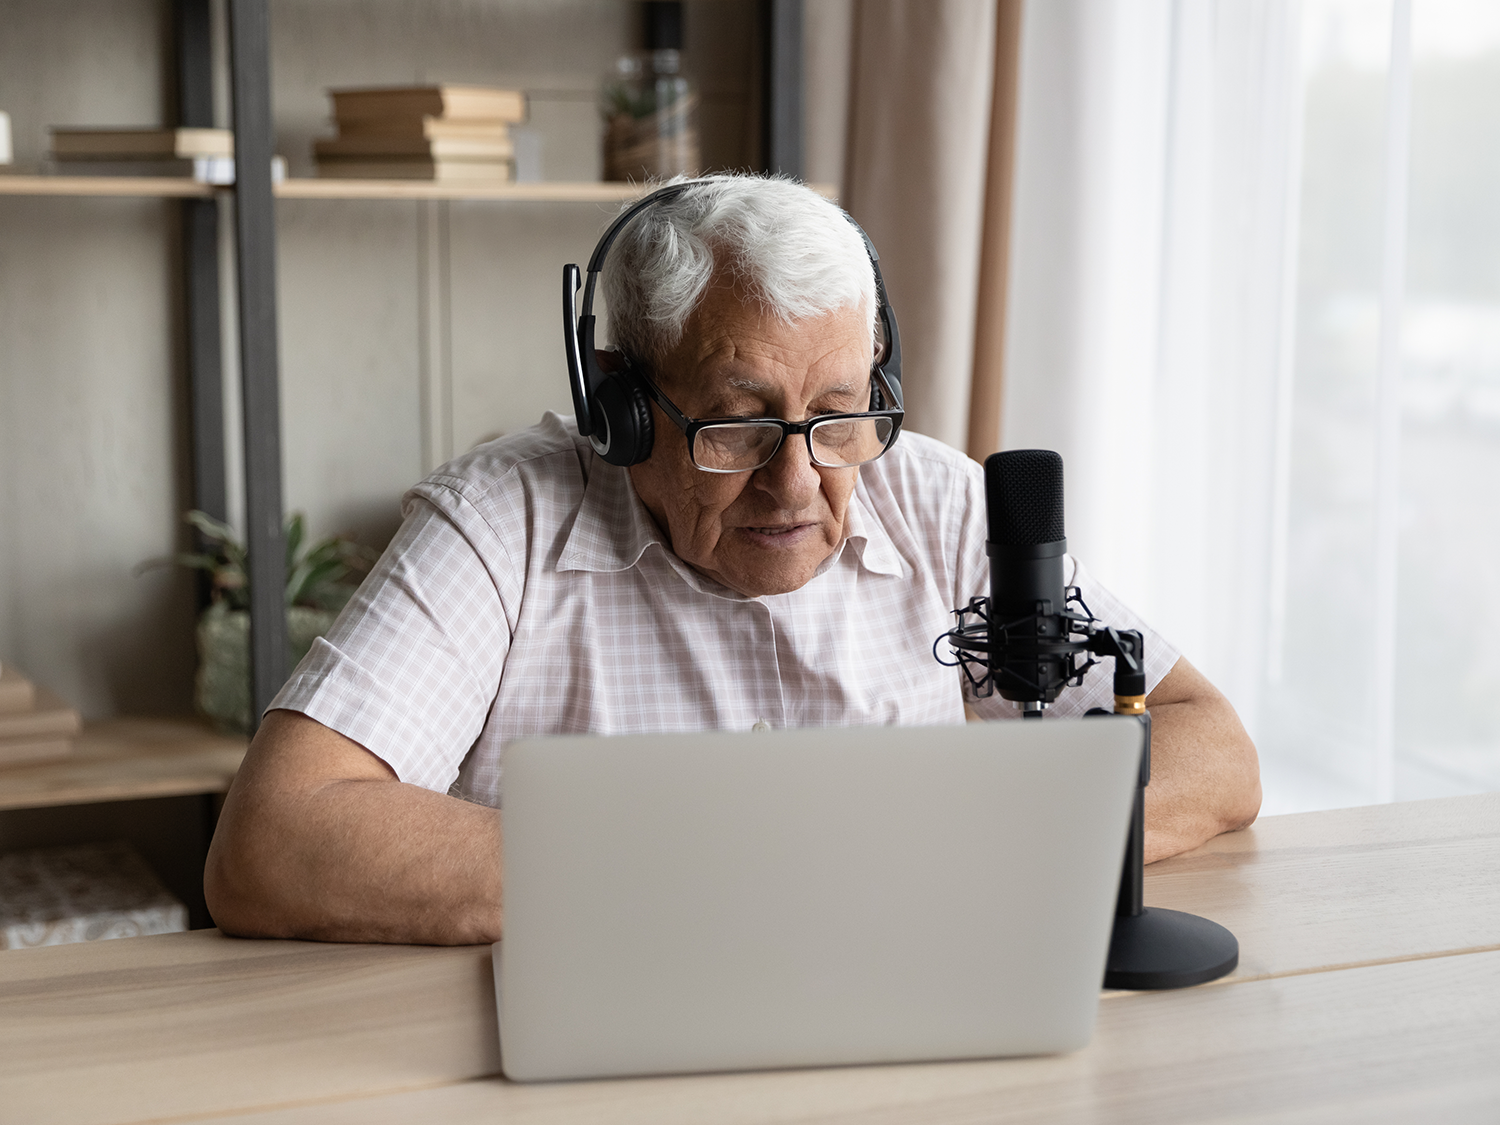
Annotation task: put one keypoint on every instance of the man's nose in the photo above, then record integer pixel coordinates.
(790, 478)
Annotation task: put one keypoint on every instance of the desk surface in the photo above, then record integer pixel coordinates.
(1412, 1041)
(1369, 988)
(1318, 891)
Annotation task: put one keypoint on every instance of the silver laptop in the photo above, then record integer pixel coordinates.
(679, 903)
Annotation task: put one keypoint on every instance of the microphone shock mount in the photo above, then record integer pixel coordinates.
(1058, 648)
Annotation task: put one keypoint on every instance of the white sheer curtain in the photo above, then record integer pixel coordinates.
(1254, 304)
(1153, 217)
(1394, 441)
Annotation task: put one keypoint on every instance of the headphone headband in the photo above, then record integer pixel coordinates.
(607, 239)
(607, 413)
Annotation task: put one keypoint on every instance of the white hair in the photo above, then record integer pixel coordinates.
(791, 249)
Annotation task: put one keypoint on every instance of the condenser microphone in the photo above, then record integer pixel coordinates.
(1031, 645)
(1028, 632)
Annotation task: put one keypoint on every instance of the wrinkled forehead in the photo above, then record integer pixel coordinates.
(733, 340)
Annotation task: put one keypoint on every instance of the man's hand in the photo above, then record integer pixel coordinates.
(319, 840)
(1205, 776)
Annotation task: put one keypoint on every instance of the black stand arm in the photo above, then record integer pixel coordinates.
(1152, 948)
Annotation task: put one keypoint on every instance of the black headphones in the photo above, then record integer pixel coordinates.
(612, 409)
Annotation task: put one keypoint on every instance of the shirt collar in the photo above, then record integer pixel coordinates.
(866, 536)
(613, 529)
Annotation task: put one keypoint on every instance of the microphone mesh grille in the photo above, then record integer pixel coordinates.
(1024, 490)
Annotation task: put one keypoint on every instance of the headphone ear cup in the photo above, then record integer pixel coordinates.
(623, 412)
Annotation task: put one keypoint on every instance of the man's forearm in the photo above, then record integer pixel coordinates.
(362, 858)
(1205, 776)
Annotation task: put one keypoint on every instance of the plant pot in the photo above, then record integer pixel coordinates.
(223, 682)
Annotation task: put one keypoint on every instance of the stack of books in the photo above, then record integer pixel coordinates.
(34, 723)
(422, 133)
(206, 155)
(200, 154)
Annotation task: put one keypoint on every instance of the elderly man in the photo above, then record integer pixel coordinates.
(769, 575)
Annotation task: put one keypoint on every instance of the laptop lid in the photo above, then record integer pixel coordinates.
(717, 901)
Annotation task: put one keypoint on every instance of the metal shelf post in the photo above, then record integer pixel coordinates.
(255, 251)
(781, 116)
(200, 269)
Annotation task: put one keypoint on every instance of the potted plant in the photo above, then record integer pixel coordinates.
(320, 579)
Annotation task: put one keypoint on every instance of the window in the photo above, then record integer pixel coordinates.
(1256, 306)
(1383, 677)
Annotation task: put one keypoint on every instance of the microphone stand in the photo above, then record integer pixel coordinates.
(1151, 947)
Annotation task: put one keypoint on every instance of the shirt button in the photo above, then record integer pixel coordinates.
(761, 724)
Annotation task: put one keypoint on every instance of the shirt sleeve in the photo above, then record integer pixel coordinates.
(412, 665)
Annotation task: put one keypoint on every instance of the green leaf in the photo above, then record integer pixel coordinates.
(327, 549)
(211, 528)
(295, 530)
(210, 563)
(322, 574)
(318, 577)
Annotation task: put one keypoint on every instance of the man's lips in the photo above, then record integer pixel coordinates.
(781, 532)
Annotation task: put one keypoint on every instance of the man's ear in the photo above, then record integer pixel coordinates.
(608, 361)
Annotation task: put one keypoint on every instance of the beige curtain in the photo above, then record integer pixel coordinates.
(927, 173)
(992, 299)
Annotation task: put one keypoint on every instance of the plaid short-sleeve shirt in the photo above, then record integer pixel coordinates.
(529, 592)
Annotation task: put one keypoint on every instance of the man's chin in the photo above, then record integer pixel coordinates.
(765, 589)
(757, 571)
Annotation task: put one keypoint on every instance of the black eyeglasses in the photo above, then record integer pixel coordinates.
(741, 445)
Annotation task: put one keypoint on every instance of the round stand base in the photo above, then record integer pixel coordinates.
(1168, 949)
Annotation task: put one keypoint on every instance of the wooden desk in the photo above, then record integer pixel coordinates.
(1370, 992)
(1407, 1042)
(1328, 890)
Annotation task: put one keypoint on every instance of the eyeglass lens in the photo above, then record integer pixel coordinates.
(737, 447)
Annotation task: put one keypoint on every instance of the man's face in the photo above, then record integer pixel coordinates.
(766, 531)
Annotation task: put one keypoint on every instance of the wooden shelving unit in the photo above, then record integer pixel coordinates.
(167, 188)
(541, 192)
(128, 760)
(162, 187)
(133, 758)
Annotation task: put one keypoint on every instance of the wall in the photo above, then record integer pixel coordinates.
(387, 309)
(92, 445)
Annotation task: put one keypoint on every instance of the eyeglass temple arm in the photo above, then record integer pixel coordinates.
(659, 397)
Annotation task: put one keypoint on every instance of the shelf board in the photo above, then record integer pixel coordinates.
(165, 187)
(539, 192)
(126, 760)
(168, 187)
